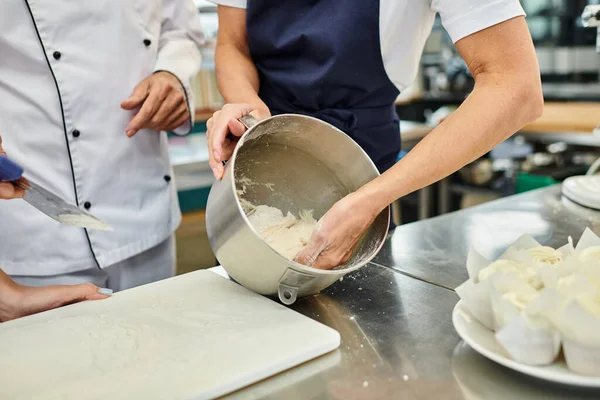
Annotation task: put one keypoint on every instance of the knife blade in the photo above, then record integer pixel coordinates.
(46, 201)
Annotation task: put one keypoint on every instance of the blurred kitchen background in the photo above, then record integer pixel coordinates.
(563, 143)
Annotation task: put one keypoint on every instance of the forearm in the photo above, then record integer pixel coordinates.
(237, 77)
(499, 106)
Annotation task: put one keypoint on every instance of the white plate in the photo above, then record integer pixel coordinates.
(482, 340)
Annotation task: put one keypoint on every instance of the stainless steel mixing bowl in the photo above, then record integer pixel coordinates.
(292, 162)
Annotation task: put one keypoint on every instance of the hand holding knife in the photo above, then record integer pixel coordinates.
(13, 185)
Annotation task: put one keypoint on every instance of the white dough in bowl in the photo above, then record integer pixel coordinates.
(287, 234)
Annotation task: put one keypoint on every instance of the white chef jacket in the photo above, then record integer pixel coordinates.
(405, 25)
(65, 67)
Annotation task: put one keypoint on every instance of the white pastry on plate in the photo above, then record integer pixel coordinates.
(590, 254)
(545, 255)
(580, 326)
(523, 272)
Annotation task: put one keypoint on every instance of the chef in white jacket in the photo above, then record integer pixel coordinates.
(88, 89)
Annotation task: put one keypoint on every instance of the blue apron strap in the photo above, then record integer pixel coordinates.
(323, 59)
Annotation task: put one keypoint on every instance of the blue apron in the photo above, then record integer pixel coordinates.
(322, 58)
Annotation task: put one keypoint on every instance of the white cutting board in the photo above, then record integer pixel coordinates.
(195, 336)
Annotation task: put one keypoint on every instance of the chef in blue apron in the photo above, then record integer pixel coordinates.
(345, 62)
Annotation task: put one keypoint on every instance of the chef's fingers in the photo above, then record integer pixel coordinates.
(334, 254)
(307, 256)
(24, 182)
(236, 128)
(229, 146)
(139, 94)
(179, 112)
(100, 294)
(330, 260)
(315, 246)
(172, 102)
(19, 192)
(325, 262)
(209, 123)
(178, 119)
(68, 294)
(214, 164)
(37, 299)
(9, 191)
(149, 108)
(221, 127)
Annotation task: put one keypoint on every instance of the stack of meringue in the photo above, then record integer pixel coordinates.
(538, 299)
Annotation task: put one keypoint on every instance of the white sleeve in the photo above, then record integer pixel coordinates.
(462, 18)
(230, 3)
(179, 49)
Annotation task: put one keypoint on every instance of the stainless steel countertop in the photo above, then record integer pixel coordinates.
(435, 249)
(397, 335)
(398, 342)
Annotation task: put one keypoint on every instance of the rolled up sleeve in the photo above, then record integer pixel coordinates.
(179, 49)
(462, 18)
(230, 3)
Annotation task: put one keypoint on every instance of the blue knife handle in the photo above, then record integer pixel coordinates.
(9, 170)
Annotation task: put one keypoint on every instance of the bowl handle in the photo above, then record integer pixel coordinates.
(290, 283)
(248, 121)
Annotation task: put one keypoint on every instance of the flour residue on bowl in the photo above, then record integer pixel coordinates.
(244, 183)
(286, 234)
